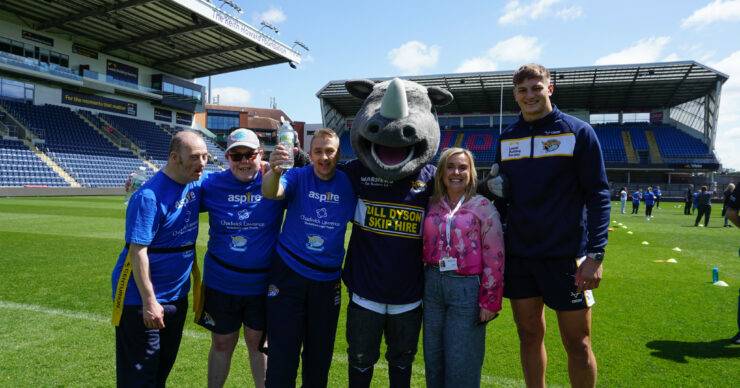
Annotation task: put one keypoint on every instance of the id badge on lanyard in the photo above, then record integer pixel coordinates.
(448, 263)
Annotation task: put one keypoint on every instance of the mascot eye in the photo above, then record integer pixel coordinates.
(373, 128)
(409, 131)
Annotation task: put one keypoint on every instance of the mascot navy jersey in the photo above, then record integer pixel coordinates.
(243, 232)
(386, 241)
(162, 214)
(316, 221)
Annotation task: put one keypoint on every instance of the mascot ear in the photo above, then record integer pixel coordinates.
(439, 96)
(360, 88)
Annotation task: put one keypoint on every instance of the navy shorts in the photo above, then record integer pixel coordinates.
(553, 280)
(225, 313)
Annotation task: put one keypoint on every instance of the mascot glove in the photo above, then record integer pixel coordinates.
(497, 182)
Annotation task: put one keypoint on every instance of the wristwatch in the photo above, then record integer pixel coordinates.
(596, 256)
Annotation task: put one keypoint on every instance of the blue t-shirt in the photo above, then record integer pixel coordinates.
(658, 193)
(649, 198)
(636, 197)
(315, 223)
(162, 214)
(243, 232)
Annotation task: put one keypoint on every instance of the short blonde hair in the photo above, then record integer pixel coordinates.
(326, 133)
(440, 190)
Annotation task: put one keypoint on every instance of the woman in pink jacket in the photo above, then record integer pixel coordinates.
(464, 264)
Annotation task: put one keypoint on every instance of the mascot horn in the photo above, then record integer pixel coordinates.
(395, 132)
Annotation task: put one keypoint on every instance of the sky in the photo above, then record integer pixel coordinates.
(366, 39)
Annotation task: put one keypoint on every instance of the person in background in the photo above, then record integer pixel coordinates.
(704, 204)
(694, 202)
(688, 200)
(727, 194)
(658, 196)
(134, 181)
(464, 262)
(623, 199)
(636, 198)
(649, 199)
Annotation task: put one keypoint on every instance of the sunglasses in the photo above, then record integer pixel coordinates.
(237, 157)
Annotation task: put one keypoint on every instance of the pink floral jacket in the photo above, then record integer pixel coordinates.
(477, 244)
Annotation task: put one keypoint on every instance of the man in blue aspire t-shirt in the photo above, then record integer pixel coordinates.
(161, 229)
(243, 232)
(303, 296)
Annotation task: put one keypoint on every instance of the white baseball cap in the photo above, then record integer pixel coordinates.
(242, 137)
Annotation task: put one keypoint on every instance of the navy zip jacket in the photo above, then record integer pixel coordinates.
(558, 200)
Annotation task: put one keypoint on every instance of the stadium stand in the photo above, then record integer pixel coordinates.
(75, 146)
(612, 144)
(146, 135)
(677, 146)
(19, 166)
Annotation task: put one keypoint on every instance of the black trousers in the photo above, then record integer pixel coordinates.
(635, 207)
(648, 210)
(144, 357)
(365, 329)
(687, 208)
(706, 211)
(301, 313)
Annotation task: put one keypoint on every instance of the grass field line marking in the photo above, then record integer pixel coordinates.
(98, 318)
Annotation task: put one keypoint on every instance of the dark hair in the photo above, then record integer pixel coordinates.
(704, 188)
(531, 70)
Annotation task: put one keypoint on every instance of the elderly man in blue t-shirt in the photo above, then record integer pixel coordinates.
(304, 292)
(161, 229)
(243, 232)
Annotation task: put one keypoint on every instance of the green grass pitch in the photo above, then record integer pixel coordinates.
(655, 323)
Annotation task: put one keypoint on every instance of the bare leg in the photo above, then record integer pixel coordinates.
(257, 359)
(530, 323)
(575, 331)
(219, 358)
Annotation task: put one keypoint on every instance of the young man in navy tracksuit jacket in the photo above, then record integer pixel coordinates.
(556, 197)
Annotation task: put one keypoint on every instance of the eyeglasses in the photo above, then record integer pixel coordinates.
(237, 156)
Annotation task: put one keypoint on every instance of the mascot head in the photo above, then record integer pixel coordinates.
(395, 132)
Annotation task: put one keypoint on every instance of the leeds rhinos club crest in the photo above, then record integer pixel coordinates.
(551, 145)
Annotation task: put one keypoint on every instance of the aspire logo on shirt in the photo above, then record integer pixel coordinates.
(324, 197)
(189, 197)
(244, 198)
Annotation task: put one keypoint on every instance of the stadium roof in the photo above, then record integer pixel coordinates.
(188, 38)
(607, 89)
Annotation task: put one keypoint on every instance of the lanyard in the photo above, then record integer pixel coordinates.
(449, 218)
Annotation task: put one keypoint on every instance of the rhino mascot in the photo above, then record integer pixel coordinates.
(395, 135)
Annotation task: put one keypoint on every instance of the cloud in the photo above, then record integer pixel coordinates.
(716, 11)
(516, 12)
(643, 51)
(272, 15)
(570, 13)
(727, 142)
(413, 56)
(514, 51)
(672, 57)
(477, 64)
(231, 95)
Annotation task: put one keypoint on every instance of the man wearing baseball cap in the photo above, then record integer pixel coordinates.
(243, 232)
